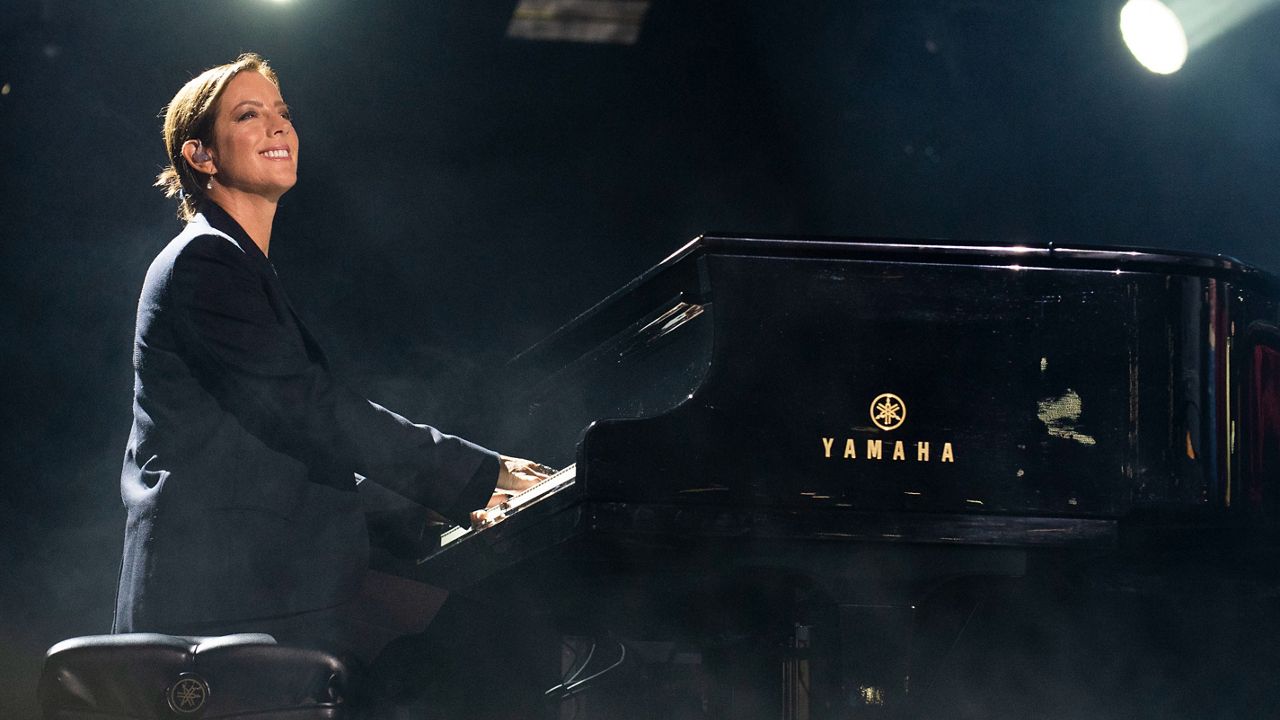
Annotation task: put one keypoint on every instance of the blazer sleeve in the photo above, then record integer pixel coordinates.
(247, 350)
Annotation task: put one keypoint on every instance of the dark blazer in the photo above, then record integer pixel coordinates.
(239, 473)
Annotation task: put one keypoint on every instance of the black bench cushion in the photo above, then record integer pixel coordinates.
(148, 676)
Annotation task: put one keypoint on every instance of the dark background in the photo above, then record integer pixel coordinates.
(462, 194)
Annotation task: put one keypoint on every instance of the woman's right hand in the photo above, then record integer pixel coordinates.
(517, 474)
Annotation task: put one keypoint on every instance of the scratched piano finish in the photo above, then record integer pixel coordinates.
(1002, 390)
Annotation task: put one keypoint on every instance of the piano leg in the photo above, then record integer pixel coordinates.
(797, 675)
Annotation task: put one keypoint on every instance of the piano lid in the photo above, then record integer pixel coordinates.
(1046, 255)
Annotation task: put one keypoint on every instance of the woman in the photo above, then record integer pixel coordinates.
(238, 477)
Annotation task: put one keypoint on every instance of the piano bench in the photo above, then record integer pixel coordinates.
(149, 676)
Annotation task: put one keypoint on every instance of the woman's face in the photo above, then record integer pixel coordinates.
(255, 149)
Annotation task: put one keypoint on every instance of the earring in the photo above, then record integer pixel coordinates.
(209, 185)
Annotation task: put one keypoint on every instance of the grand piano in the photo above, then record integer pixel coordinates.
(784, 452)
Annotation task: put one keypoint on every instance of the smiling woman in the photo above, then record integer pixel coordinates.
(253, 158)
(230, 140)
(239, 473)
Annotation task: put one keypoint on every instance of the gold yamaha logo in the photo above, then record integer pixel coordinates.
(888, 412)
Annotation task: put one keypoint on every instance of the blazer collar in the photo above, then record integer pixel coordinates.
(221, 223)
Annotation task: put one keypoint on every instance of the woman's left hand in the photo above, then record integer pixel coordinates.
(492, 511)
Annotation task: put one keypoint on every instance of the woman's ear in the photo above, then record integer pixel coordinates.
(198, 157)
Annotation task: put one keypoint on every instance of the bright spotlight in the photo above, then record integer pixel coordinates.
(1161, 34)
(1154, 35)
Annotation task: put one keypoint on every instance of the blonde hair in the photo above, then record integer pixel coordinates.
(189, 116)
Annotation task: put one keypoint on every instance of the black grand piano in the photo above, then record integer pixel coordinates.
(806, 462)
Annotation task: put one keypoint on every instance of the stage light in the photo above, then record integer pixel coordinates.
(594, 21)
(1154, 35)
(1162, 34)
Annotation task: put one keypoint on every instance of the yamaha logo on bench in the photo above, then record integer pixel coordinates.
(188, 695)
